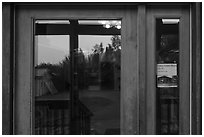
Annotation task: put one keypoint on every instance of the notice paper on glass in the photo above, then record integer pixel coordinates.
(167, 75)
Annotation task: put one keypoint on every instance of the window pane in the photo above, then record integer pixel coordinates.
(99, 81)
(77, 93)
(52, 84)
(167, 51)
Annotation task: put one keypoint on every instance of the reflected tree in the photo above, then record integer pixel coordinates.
(101, 67)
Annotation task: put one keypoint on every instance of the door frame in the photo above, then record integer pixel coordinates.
(9, 70)
(196, 107)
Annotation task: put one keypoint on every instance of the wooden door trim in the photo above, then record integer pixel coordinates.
(129, 74)
(142, 67)
(196, 107)
(184, 72)
(8, 73)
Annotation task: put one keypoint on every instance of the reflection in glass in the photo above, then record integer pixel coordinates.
(52, 84)
(77, 77)
(167, 51)
(52, 21)
(106, 23)
(99, 81)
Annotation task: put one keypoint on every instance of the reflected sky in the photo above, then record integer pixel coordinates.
(58, 45)
(51, 48)
(87, 42)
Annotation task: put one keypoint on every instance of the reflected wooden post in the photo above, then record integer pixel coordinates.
(74, 125)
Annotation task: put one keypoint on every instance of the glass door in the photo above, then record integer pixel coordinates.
(73, 76)
(77, 77)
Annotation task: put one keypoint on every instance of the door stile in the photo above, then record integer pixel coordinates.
(184, 71)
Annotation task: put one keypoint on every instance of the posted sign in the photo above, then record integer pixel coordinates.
(167, 75)
(168, 70)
